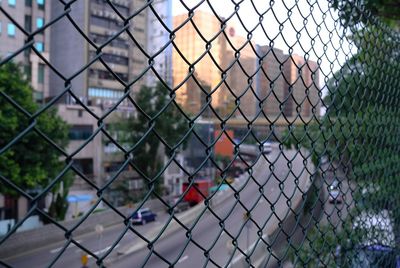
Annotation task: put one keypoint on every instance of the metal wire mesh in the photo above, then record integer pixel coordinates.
(288, 108)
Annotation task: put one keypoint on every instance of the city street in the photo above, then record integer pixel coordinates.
(206, 235)
(71, 257)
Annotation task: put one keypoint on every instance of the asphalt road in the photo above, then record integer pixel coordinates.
(207, 244)
(99, 244)
(210, 245)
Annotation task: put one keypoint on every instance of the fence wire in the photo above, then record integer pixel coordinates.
(279, 121)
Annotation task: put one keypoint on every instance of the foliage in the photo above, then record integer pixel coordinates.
(354, 11)
(30, 163)
(59, 204)
(359, 129)
(157, 122)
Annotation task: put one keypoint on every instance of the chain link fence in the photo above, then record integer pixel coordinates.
(253, 134)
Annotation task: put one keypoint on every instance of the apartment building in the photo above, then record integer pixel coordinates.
(31, 15)
(97, 86)
(100, 23)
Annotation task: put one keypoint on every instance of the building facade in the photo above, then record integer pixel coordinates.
(122, 55)
(158, 39)
(302, 89)
(195, 63)
(239, 64)
(270, 80)
(104, 76)
(31, 15)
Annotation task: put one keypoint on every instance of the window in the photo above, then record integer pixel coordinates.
(39, 46)
(80, 132)
(39, 22)
(27, 71)
(38, 96)
(27, 52)
(105, 93)
(28, 3)
(11, 29)
(28, 23)
(40, 3)
(12, 3)
(41, 73)
(84, 165)
(0, 27)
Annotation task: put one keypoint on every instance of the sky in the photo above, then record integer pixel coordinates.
(306, 30)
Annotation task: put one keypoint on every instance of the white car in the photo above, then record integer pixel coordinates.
(267, 147)
(334, 195)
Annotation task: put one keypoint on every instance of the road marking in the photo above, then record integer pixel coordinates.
(184, 258)
(56, 250)
(239, 256)
(102, 251)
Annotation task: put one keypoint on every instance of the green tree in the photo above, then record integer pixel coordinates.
(358, 131)
(353, 12)
(31, 162)
(156, 122)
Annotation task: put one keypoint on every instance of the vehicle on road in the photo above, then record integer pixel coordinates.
(375, 244)
(267, 147)
(335, 195)
(179, 205)
(143, 216)
(335, 184)
(219, 188)
(196, 192)
(375, 256)
(228, 180)
(324, 160)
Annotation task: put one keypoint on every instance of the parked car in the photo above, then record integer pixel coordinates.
(143, 216)
(335, 195)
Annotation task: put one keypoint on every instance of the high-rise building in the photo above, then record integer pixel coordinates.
(239, 64)
(101, 82)
(70, 51)
(270, 80)
(158, 38)
(302, 87)
(31, 15)
(192, 61)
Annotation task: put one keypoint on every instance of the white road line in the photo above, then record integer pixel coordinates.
(184, 258)
(99, 252)
(239, 256)
(56, 250)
